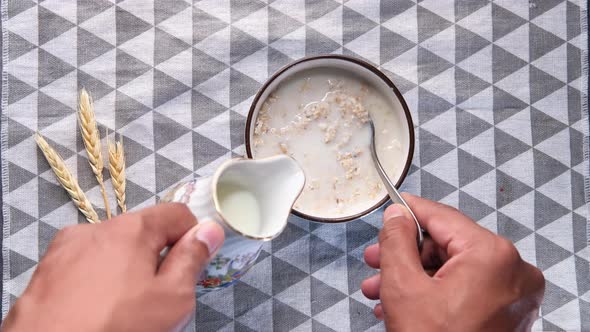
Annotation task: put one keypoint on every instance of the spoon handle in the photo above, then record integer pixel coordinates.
(390, 187)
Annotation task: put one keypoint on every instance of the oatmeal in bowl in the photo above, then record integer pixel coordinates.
(316, 110)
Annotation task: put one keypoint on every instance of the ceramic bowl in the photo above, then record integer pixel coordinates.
(368, 73)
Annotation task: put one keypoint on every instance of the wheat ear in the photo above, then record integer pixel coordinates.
(67, 181)
(117, 170)
(91, 138)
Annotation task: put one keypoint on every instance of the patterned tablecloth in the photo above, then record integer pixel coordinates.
(497, 90)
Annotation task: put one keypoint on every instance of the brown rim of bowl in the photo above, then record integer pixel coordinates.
(387, 81)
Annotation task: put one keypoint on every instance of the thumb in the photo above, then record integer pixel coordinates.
(192, 252)
(399, 255)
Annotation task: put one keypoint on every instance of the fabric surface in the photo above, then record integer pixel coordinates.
(497, 90)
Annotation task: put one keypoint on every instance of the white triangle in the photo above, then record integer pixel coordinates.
(136, 173)
(513, 42)
(445, 168)
(585, 253)
(178, 109)
(21, 241)
(296, 254)
(217, 45)
(555, 21)
(292, 44)
(334, 235)
(56, 46)
(210, 168)
(178, 151)
(490, 222)
(24, 111)
(180, 25)
(479, 22)
(217, 88)
(440, 8)
(68, 12)
(216, 8)
(63, 132)
(217, 130)
(405, 24)
(538, 325)
(578, 41)
(24, 26)
(17, 285)
(444, 126)
(96, 25)
(141, 47)
(176, 67)
(340, 310)
(442, 85)
(140, 8)
(64, 90)
(560, 232)
(519, 168)
(518, 84)
(555, 105)
(527, 249)
(254, 65)
(451, 199)
(243, 108)
(104, 108)
(368, 45)
(334, 275)
(557, 147)
(513, 126)
(240, 150)
(566, 317)
(360, 297)
(442, 44)
(222, 300)
(141, 88)
(369, 10)
(330, 25)
(405, 65)
(293, 8)
(103, 68)
(255, 24)
(553, 67)
(258, 318)
(520, 8)
(141, 130)
(522, 210)
(23, 66)
(480, 104)
(298, 296)
(259, 277)
(484, 184)
(25, 198)
(479, 64)
(61, 217)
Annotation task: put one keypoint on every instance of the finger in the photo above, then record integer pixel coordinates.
(191, 253)
(399, 256)
(378, 311)
(372, 255)
(165, 223)
(370, 287)
(450, 229)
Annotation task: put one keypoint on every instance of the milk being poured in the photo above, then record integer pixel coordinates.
(240, 208)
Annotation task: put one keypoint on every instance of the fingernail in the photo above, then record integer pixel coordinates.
(210, 234)
(394, 210)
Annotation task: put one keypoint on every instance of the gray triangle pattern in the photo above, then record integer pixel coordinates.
(491, 84)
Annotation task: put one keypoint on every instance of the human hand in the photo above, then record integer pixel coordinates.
(465, 279)
(109, 276)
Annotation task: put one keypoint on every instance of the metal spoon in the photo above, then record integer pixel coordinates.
(393, 193)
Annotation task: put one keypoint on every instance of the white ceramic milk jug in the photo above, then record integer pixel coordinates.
(251, 200)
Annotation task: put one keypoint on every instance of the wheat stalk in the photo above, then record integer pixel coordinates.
(67, 181)
(117, 170)
(91, 138)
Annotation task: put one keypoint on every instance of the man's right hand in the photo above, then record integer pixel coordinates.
(465, 279)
